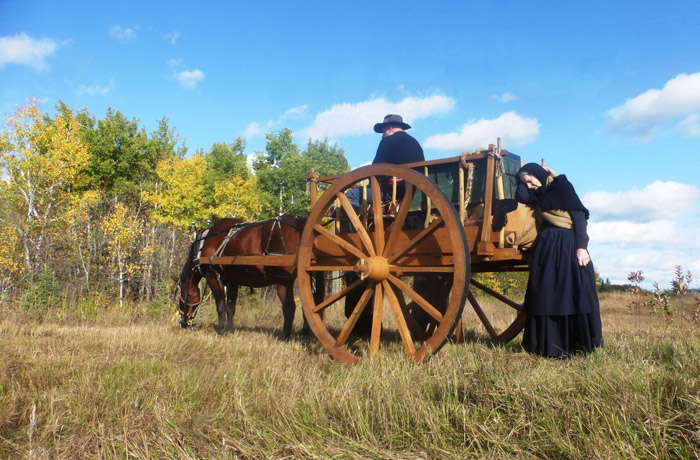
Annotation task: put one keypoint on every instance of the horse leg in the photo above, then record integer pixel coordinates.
(219, 293)
(231, 305)
(319, 295)
(221, 312)
(286, 296)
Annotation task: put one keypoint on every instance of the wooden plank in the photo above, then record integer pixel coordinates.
(421, 263)
(419, 164)
(423, 235)
(488, 201)
(289, 260)
(437, 244)
(404, 270)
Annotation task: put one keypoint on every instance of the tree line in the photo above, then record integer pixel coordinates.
(102, 206)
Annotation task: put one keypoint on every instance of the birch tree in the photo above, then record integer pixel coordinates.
(40, 162)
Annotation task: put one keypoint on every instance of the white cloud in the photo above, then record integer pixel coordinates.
(658, 200)
(25, 50)
(253, 130)
(172, 37)
(652, 229)
(514, 130)
(189, 78)
(655, 233)
(643, 115)
(690, 125)
(294, 112)
(96, 90)
(359, 118)
(123, 34)
(505, 97)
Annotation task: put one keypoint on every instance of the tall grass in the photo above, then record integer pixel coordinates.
(125, 385)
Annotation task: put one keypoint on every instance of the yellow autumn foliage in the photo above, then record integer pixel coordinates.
(182, 197)
(234, 198)
(9, 260)
(41, 161)
(178, 201)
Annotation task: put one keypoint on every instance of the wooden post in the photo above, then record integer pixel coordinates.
(337, 216)
(484, 246)
(501, 195)
(462, 204)
(430, 210)
(363, 207)
(312, 186)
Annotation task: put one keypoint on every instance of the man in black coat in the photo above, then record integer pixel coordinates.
(396, 147)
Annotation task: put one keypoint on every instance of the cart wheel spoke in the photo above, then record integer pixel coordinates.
(514, 326)
(376, 320)
(397, 225)
(378, 215)
(482, 316)
(417, 239)
(417, 298)
(364, 236)
(350, 323)
(336, 297)
(400, 318)
(339, 241)
(411, 322)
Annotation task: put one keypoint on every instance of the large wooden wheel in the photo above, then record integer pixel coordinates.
(420, 235)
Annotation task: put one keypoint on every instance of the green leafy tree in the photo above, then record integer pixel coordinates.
(278, 172)
(282, 172)
(326, 160)
(123, 160)
(226, 168)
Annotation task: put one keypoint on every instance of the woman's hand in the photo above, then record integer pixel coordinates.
(583, 257)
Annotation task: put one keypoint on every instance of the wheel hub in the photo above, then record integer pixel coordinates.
(375, 268)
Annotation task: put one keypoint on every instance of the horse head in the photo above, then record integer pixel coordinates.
(187, 293)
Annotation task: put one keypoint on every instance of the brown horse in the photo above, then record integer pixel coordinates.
(232, 237)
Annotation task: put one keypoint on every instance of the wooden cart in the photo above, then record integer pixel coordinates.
(409, 260)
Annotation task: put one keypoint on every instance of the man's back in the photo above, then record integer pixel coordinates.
(399, 148)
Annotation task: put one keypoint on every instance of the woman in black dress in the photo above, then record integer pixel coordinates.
(561, 302)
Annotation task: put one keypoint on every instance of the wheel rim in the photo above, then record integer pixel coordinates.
(384, 255)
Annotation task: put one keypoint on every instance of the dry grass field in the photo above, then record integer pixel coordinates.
(125, 384)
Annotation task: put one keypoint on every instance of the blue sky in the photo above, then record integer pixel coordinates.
(607, 93)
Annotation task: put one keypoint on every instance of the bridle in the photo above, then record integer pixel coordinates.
(190, 311)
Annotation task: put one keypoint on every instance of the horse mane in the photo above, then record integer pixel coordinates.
(187, 268)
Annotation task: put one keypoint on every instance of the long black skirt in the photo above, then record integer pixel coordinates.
(563, 313)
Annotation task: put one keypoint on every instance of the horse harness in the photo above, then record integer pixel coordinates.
(277, 222)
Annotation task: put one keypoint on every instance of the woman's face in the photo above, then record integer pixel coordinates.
(531, 181)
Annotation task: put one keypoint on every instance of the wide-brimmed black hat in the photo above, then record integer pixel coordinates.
(389, 120)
